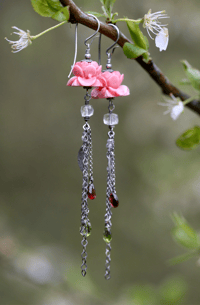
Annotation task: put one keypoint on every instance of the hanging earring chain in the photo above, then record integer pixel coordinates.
(86, 165)
(110, 119)
(85, 229)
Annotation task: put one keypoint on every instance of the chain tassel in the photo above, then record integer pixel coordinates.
(85, 162)
(110, 119)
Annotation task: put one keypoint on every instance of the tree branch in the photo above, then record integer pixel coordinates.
(78, 16)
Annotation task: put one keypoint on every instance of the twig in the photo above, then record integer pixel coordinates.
(78, 16)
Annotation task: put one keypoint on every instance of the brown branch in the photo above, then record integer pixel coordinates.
(78, 16)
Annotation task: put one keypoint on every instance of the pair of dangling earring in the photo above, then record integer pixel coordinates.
(107, 84)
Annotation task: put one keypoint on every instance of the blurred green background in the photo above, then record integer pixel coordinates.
(40, 196)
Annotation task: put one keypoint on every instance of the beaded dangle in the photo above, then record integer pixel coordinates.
(111, 88)
(87, 74)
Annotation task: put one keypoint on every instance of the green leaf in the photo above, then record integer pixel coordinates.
(51, 8)
(65, 11)
(95, 14)
(173, 291)
(43, 8)
(192, 74)
(136, 35)
(184, 234)
(109, 5)
(62, 15)
(133, 51)
(54, 4)
(58, 16)
(190, 139)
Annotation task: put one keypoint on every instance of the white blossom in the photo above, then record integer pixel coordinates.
(162, 39)
(152, 24)
(23, 42)
(174, 105)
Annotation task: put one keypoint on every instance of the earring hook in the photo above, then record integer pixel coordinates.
(111, 47)
(87, 52)
(75, 54)
(108, 64)
(99, 50)
(98, 27)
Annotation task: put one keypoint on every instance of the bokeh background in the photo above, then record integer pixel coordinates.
(40, 181)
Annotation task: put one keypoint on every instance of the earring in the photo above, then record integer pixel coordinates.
(87, 75)
(111, 88)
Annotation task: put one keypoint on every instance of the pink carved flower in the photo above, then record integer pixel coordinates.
(111, 86)
(86, 74)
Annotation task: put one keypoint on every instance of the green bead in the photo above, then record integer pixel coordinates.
(86, 231)
(107, 237)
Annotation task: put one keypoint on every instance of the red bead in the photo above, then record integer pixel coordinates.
(114, 201)
(91, 192)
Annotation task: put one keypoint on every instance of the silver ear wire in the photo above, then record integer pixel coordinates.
(109, 65)
(87, 52)
(114, 26)
(75, 54)
(88, 44)
(99, 50)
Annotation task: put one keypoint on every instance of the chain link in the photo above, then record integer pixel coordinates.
(87, 97)
(108, 261)
(111, 106)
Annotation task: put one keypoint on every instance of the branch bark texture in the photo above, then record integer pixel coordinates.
(78, 16)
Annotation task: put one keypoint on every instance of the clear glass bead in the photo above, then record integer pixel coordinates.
(110, 119)
(87, 111)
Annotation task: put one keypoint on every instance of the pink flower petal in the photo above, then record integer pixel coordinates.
(89, 71)
(106, 75)
(102, 81)
(79, 63)
(114, 81)
(95, 93)
(121, 91)
(86, 82)
(101, 93)
(94, 64)
(82, 64)
(71, 80)
(98, 82)
(77, 70)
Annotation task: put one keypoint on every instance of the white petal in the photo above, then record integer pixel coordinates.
(162, 39)
(177, 110)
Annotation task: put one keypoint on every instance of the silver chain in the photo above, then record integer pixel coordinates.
(91, 179)
(85, 161)
(85, 223)
(109, 190)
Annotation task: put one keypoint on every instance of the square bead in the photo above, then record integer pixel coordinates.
(110, 119)
(87, 111)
